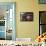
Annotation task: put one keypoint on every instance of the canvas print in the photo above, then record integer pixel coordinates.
(26, 16)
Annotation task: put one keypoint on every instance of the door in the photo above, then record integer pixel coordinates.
(8, 10)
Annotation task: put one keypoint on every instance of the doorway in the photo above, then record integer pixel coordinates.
(7, 21)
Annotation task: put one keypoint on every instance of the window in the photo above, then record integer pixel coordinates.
(42, 22)
(42, 1)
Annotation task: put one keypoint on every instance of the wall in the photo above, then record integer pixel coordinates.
(27, 29)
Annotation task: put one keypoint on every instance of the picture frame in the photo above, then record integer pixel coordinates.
(42, 1)
(26, 16)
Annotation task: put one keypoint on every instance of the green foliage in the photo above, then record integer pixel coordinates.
(44, 33)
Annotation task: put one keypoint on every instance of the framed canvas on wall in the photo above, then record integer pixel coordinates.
(26, 16)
